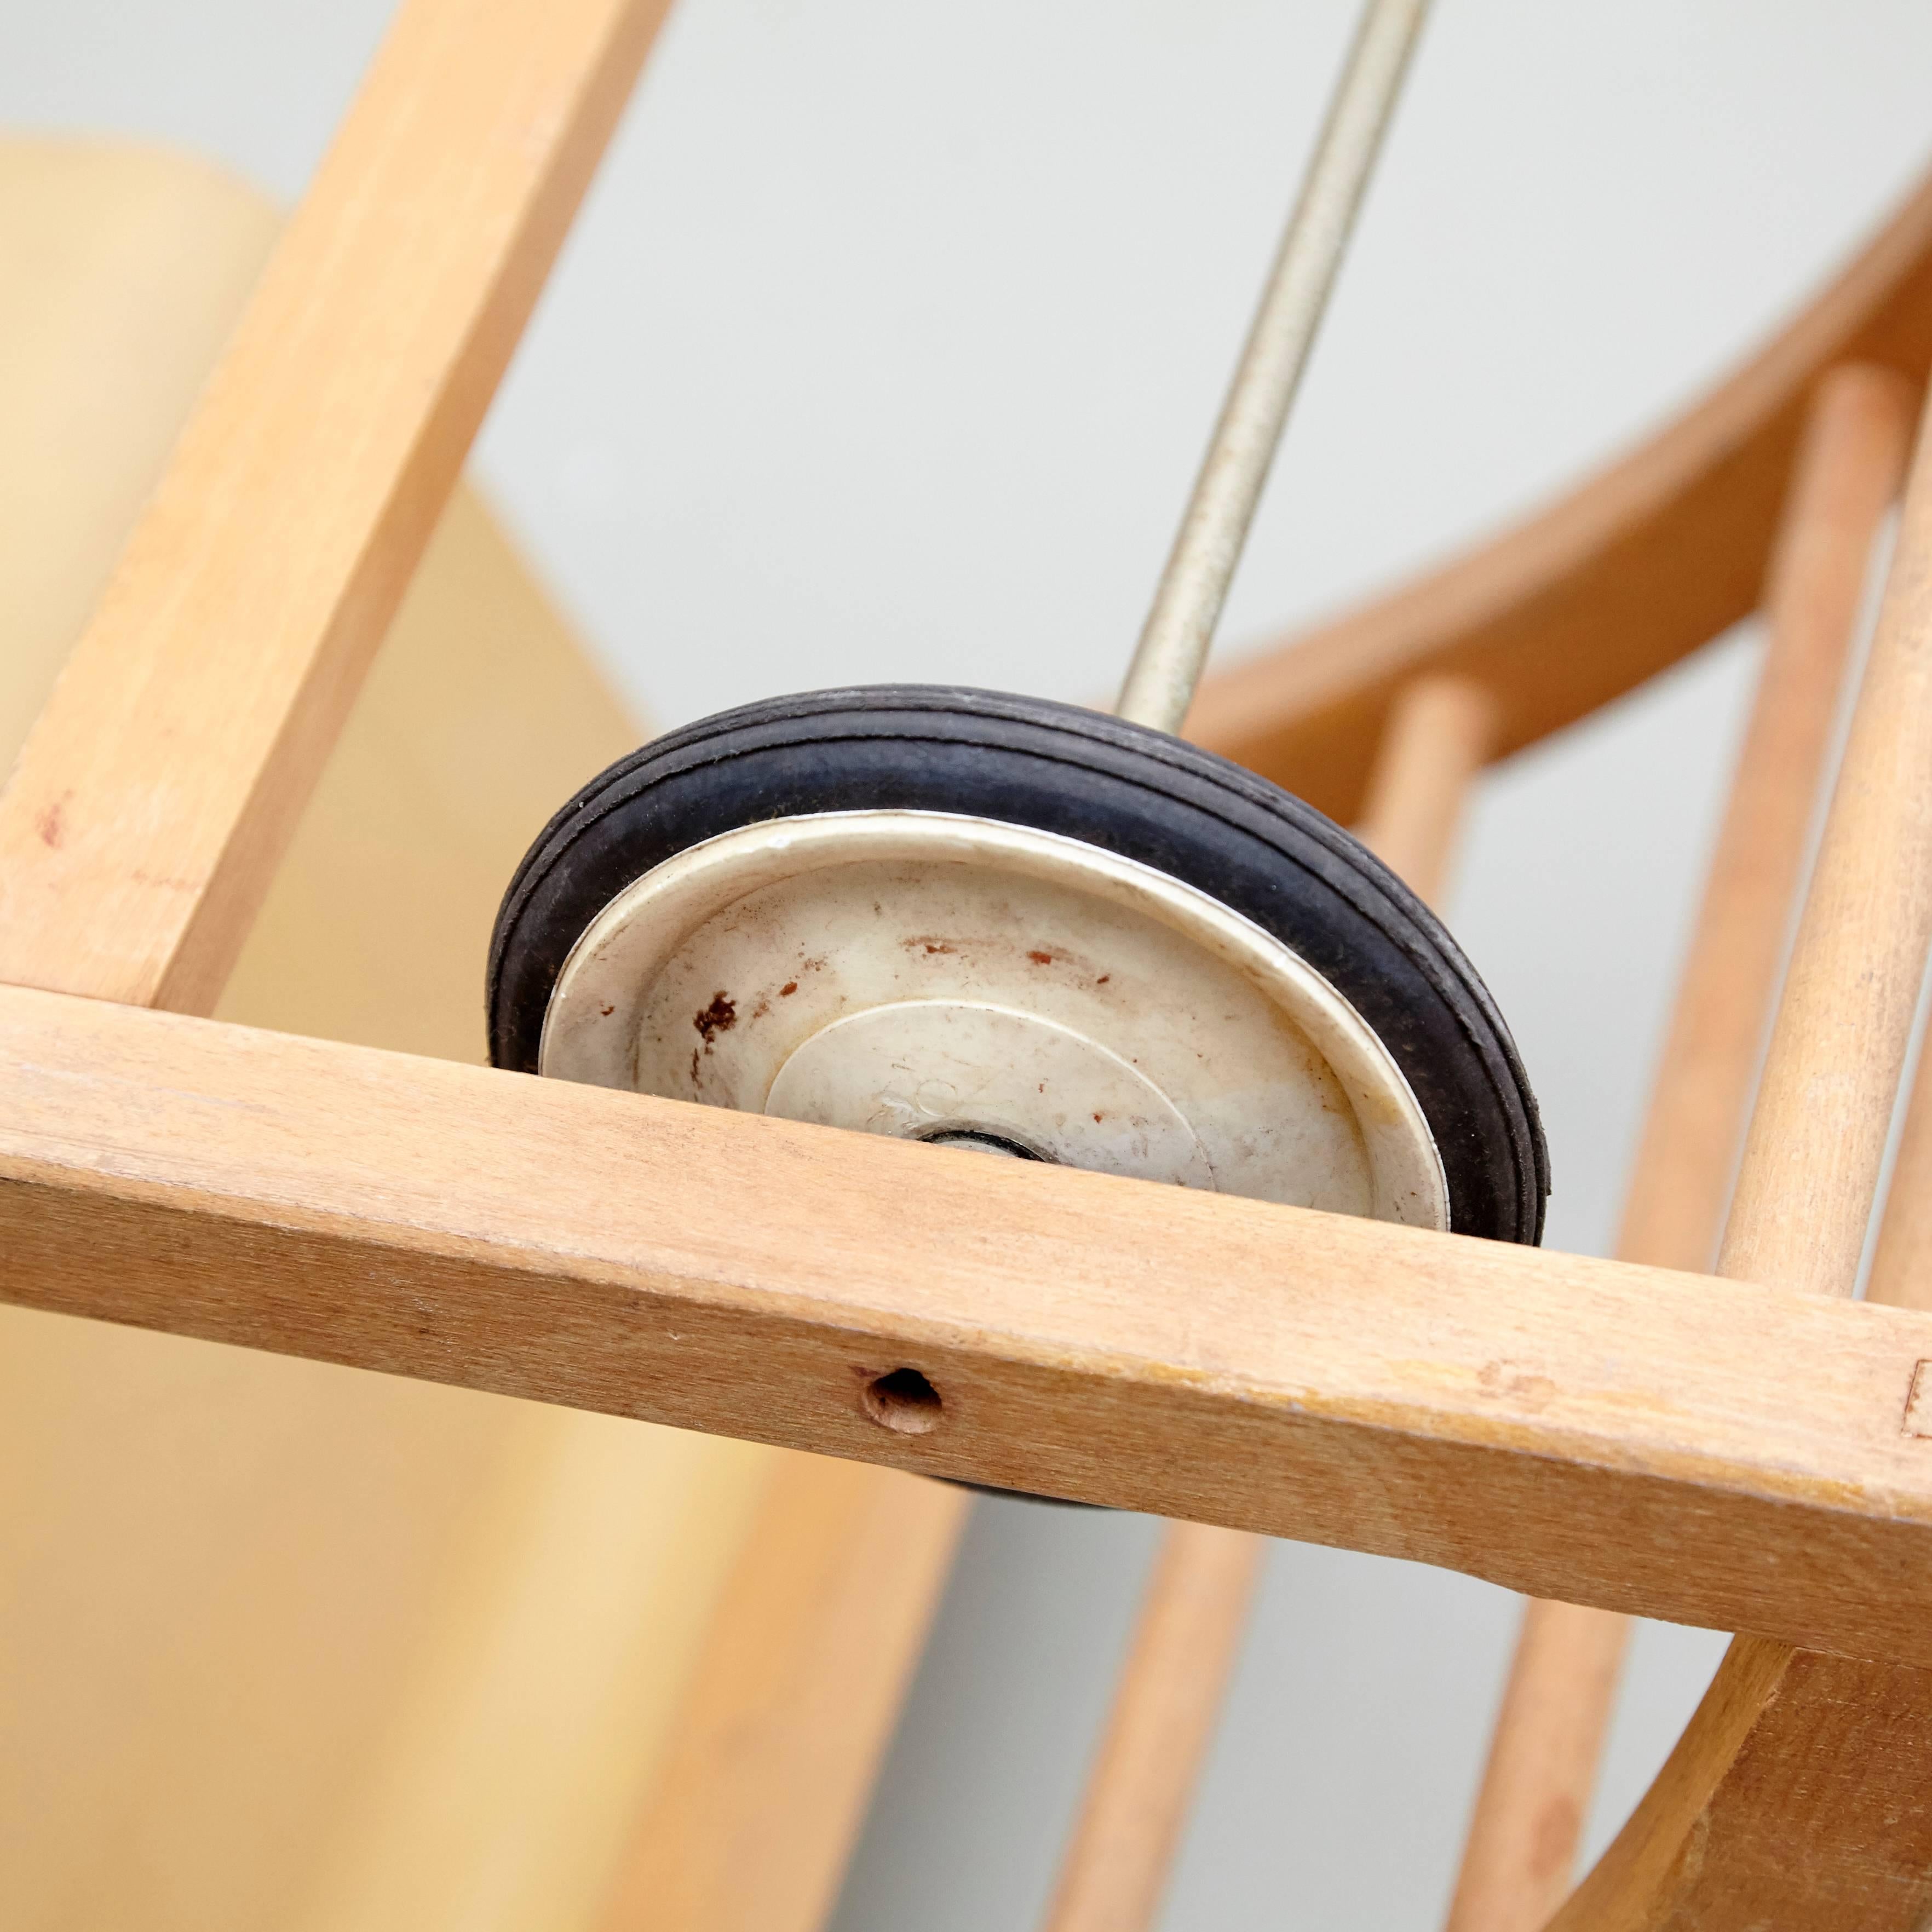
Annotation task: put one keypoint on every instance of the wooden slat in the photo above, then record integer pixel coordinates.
(1639, 565)
(1517, 1865)
(1818, 1771)
(1567, 1427)
(143, 822)
(1901, 1273)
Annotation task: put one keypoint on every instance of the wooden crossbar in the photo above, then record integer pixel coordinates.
(1708, 1451)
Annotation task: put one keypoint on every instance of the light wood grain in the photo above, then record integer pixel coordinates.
(142, 823)
(243, 1593)
(1797, 1798)
(1115, 1872)
(1520, 1859)
(1638, 566)
(1824, 1110)
(756, 1804)
(1800, 1790)
(1847, 479)
(1566, 1426)
(1440, 730)
(1901, 1269)
(1517, 1864)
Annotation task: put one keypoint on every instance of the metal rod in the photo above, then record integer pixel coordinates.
(1173, 648)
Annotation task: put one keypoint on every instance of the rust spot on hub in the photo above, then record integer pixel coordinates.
(721, 1016)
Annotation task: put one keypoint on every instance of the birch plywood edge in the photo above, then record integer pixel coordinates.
(1575, 1428)
(1653, 556)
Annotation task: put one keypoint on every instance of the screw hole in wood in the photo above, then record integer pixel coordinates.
(904, 1401)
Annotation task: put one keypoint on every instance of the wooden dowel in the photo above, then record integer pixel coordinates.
(1556, 1707)
(1521, 1851)
(1440, 731)
(1165, 1709)
(1735, 1831)
(754, 1808)
(1195, 1613)
(1804, 1194)
(1902, 1261)
(1848, 474)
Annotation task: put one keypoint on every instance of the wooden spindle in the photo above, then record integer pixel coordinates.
(1542, 1768)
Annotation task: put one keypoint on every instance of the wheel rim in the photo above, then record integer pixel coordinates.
(932, 976)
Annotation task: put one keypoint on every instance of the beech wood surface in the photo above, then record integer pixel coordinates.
(1519, 1860)
(1194, 1615)
(1804, 1195)
(1653, 556)
(273, 1622)
(402, 1574)
(1518, 1864)
(1565, 1425)
(1901, 1270)
(1440, 730)
(142, 826)
(1801, 1795)
(159, 786)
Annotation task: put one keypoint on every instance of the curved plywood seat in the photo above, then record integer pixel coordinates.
(1646, 560)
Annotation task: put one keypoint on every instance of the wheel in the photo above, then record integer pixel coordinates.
(994, 922)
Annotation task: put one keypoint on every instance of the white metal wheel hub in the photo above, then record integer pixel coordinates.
(935, 976)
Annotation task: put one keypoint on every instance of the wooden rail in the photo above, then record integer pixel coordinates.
(1653, 555)
(1710, 1843)
(1710, 1452)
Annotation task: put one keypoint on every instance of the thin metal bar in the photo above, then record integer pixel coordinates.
(1173, 648)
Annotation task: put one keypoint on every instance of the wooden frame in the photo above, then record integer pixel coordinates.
(1562, 1425)
(1596, 1431)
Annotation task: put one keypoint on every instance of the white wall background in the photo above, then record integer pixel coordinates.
(886, 348)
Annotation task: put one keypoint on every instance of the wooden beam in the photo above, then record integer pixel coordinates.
(144, 819)
(1653, 555)
(1707, 1451)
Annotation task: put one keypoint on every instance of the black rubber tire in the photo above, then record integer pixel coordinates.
(1056, 768)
